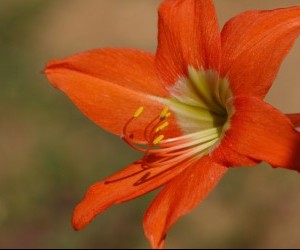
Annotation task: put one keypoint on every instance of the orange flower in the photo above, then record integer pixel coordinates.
(193, 109)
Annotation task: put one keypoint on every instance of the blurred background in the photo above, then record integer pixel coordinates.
(50, 153)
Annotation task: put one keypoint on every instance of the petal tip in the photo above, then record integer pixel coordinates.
(79, 221)
(156, 243)
(50, 65)
(57, 70)
(49, 71)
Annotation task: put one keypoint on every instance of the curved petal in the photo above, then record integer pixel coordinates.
(188, 36)
(227, 156)
(254, 45)
(295, 119)
(261, 132)
(108, 86)
(180, 196)
(129, 183)
(129, 68)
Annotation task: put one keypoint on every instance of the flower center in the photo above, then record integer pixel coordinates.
(202, 108)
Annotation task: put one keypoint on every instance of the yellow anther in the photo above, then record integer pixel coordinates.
(138, 112)
(162, 127)
(158, 139)
(168, 115)
(164, 113)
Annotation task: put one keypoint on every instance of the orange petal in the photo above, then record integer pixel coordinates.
(295, 119)
(180, 196)
(263, 133)
(128, 68)
(108, 86)
(228, 157)
(129, 183)
(188, 36)
(254, 45)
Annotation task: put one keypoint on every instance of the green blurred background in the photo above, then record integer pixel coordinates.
(50, 153)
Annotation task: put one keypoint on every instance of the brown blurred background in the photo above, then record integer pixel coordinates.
(50, 153)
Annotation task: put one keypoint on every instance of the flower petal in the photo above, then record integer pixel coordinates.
(228, 157)
(188, 36)
(261, 132)
(128, 68)
(127, 184)
(179, 197)
(295, 119)
(254, 45)
(108, 86)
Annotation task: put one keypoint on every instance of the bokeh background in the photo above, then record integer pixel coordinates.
(50, 153)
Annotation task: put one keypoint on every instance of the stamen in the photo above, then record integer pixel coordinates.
(164, 113)
(184, 155)
(158, 151)
(150, 131)
(150, 128)
(158, 139)
(168, 115)
(138, 112)
(162, 127)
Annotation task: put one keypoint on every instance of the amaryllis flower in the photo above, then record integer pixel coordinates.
(193, 109)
